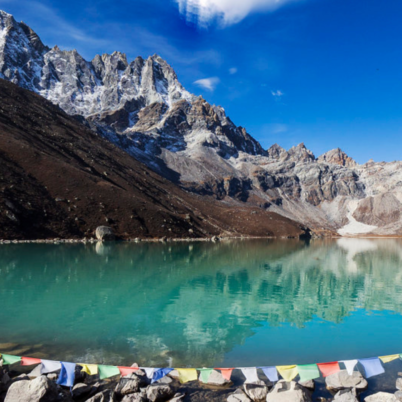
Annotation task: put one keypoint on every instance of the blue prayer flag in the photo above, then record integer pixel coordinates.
(67, 374)
(372, 366)
(271, 373)
(160, 373)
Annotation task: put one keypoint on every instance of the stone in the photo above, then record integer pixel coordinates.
(104, 233)
(79, 390)
(52, 376)
(40, 389)
(399, 383)
(177, 398)
(346, 395)
(381, 397)
(129, 384)
(216, 379)
(165, 380)
(288, 392)
(104, 396)
(310, 385)
(256, 391)
(398, 395)
(174, 374)
(137, 397)
(36, 372)
(342, 380)
(159, 392)
(238, 396)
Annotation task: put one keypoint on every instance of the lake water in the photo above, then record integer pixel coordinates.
(235, 303)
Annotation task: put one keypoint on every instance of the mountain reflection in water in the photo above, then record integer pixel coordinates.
(201, 304)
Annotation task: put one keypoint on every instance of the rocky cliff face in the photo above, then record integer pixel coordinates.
(142, 107)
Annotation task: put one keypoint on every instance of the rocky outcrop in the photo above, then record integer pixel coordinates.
(337, 157)
(104, 233)
(381, 397)
(342, 380)
(288, 391)
(40, 389)
(256, 391)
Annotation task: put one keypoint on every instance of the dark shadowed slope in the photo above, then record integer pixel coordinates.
(60, 179)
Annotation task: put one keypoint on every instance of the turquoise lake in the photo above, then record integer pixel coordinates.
(233, 303)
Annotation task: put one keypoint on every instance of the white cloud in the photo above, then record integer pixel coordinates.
(227, 12)
(277, 94)
(233, 70)
(208, 83)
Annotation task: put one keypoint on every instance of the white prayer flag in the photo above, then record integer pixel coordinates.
(149, 371)
(49, 366)
(350, 365)
(250, 374)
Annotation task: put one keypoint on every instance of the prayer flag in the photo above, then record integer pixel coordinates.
(271, 373)
(186, 375)
(10, 359)
(149, 371)
(250, 374)
(350, 365)
(389, 358)
(328, 368)
(48, 366)
(205, 374)
(158, 374)
(226, 373)
(372, 366)
(67, 374)
(308, 372)
(127, 370)
(288, 373)
(91, 369)
(107, 371)
(29, 361)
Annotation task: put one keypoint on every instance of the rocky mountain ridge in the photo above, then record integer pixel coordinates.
(142, 107)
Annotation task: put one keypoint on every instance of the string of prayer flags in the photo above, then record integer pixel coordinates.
(250, 374)
(350, 365)
(389, 358)
(67, 374)
(49, 366)
(158, 374)
(127, 370)
(10, 359)
(149, 371)
(328, 368)
(205, 374)
(288, 373)
(91, 369)
(107, 371)
(308, 372)
(29, 361)
(372, 366)
(187, 375)
(226, 373)
(271, 373)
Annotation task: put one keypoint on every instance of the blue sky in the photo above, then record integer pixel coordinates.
(324, 72)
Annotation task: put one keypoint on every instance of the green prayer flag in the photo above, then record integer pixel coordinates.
(205, 373)
(308, 372)
(108, 371)
(9, 359)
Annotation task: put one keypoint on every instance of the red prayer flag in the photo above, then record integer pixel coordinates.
(328, 368)
(29, 361)
(127, 370)
(226, 373)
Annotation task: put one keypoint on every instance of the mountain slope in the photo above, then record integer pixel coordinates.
(60, 179)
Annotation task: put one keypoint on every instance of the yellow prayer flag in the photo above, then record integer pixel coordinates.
(186, 375)
(288, 373)
(389, 358)
(90, 369)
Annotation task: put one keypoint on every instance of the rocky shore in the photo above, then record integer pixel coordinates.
(17, 386)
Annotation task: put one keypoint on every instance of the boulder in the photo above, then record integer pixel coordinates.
(129, 384)
(104, 396)
(399, 383)
(288, 391)
(40, 389)
(137, 397)
(256, 391)
(238, 396)
(310, 385)
(165, 380)
(5, 380)
(177, 398)
(398, 395)
(104, 233)
(381, 397)
(342, 380)
(346, 396)
(216, 379)
(80, 390)
(159, 392)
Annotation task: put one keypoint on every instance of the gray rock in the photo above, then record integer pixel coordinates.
(256, 391)
(159, 392)
(398, 383)
(342, 380)
(165, 380)
(288, 392)
(104, 233)
(398, 395)
(174, 374)
(104, 396)
(177, 398)
(346, 396)
(381, 397)
(5, 380)
(52, 376)
(40, 389)
(238, 396)
(129, 384)
(216, 379)
(310, 385)
(79, 390)
(137, 397)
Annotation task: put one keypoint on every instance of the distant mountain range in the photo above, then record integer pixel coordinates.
(142, 108)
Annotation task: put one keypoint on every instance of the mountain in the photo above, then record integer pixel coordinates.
(142, 108)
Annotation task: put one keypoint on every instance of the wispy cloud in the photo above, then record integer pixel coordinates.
(233, 70)
(208, 83)
(225, 12)
(277, 94)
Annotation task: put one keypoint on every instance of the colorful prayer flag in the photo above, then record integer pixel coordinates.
(205, 374)
(308, 372)
(271, 373)
(226, 373)
(67, 374)
(158, 374)
(288, 373)
(372, 366)
(91, 369)
(250, 374)
(389, 358)
(186, 375)
(127, 370)
(149, 371)
(10, 359)
(328, 368)
(107, 371)
(49, 366)
(29, 361)
(350, 365)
